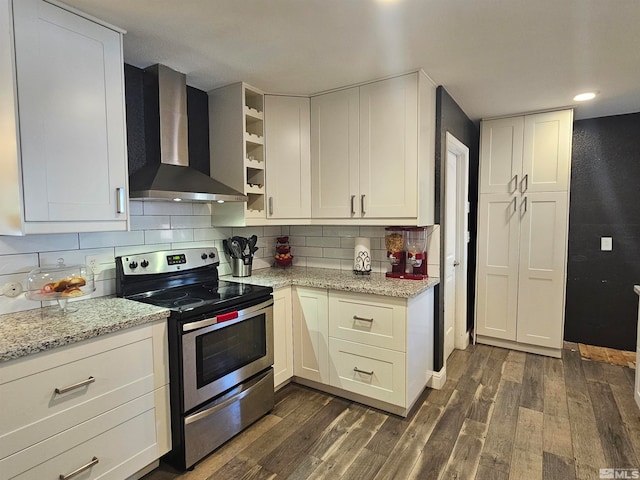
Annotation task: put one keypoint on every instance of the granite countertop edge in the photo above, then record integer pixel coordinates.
(32, 331)
(333, 279)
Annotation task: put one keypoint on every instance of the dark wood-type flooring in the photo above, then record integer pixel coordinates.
(501, 415)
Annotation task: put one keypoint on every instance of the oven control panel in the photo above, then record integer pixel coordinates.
(168, 261)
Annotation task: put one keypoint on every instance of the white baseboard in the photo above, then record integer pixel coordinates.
(438, 379)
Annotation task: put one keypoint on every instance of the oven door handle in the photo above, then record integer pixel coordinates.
(187, 327)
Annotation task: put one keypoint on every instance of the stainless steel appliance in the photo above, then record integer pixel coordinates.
(220, 345)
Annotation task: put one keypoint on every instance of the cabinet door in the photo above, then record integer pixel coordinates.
(288, 157)
(389, 148)
(71, 104)
(334, 155)
(501, 154)
(311, 334)
(543, 247)
(282, 336)
(497, 277)
(547, 152)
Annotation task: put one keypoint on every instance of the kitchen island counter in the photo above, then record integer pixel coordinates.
(332, 279)
(32, 331)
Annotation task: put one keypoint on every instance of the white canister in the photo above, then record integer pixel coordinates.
(362, 256)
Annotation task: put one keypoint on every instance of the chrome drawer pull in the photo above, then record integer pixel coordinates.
(355, 317)
(75, 385)
(120, 200)
(357, 370)
(78, 471)
(362, 210)
(353, 208)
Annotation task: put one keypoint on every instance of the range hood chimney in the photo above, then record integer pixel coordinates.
(166, 137)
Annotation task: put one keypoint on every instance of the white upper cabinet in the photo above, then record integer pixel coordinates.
(335, 154)
(69, 89)
(529, 153)
(389, 148)
(372, 152)
(288, 175)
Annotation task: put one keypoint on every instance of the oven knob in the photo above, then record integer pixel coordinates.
(211, 255)
(133, 265)
(144, 264)
(203, 256)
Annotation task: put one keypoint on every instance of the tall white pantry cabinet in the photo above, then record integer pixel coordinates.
(523, 214)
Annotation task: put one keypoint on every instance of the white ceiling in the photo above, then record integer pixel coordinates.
(495, 57)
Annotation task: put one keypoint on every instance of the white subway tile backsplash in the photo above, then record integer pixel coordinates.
(298, 241)
(347, 242)
(337, 253)
(307, 251)
(190, 221)
(168, 208)
(136, 249)
(340, 231)
(136, 207)
(272, 231)
(38, 243)
(372, 232)
(203, 244)
(248, 231)
(20, 263)
(202, 209)
(76, 257)
(323, 242)
(322, 262)
(150, 222)
(164, 236)
(216, 233)
(306, 230)
(109, 239)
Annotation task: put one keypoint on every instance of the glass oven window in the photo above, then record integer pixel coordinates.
(227, 349)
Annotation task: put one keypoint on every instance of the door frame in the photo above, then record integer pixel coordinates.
(461, 151)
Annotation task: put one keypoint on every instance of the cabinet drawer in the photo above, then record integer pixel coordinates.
(369, 319)
(385, 371)
(123, 440)
(33, 411)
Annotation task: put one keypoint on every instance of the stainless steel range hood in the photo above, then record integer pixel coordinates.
(166, 124)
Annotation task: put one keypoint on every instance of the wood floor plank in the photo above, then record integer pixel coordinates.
(532, 395)
(615, 375)
(485, 396)
(614, 438)
(525, 464)
(388, 435)
(628, 409)
(338, 461)
(258, 473)
(437, 450)
(631, 374)
(556, 436)
(555, 467)
(292, 396)
(486, 473)
(333, 435)
(457, 364)
(441, 397)
(588, 453)
(498, 446)
(464, 459)
(406, 452)
(470, 379)
(514, 367)
(593, 371)
(555, 392)
(365, 466)
(282, 460)
(529, 431)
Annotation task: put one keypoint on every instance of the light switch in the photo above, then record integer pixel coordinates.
(606, 244)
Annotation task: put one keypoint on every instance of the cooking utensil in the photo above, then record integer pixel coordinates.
(242, 242)
(225, 245)
(236, 250)
(252, 243)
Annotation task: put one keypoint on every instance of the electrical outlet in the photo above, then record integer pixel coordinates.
(606, 244)
(93, 264)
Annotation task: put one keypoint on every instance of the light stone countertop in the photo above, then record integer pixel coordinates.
(376, 283)
(31, 331)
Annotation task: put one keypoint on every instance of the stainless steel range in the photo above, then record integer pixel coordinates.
(220, 345)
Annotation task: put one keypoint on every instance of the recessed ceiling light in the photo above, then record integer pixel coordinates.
(582, 97)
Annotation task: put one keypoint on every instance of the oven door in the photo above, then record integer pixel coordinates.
(223, 351)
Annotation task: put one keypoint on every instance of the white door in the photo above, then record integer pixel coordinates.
(389, 148)
(71, 101)
(547, 152)
(334, 155)
(497, 266)
(501, 154)
(543, 243)
(450, 253)
(288, 168)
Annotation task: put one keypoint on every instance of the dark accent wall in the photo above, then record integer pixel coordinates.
(601, 307)
(142, 151)
(451, 118)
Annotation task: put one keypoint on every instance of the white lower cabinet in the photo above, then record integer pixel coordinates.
(104, 398)
(374, 349)
(282, 336)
